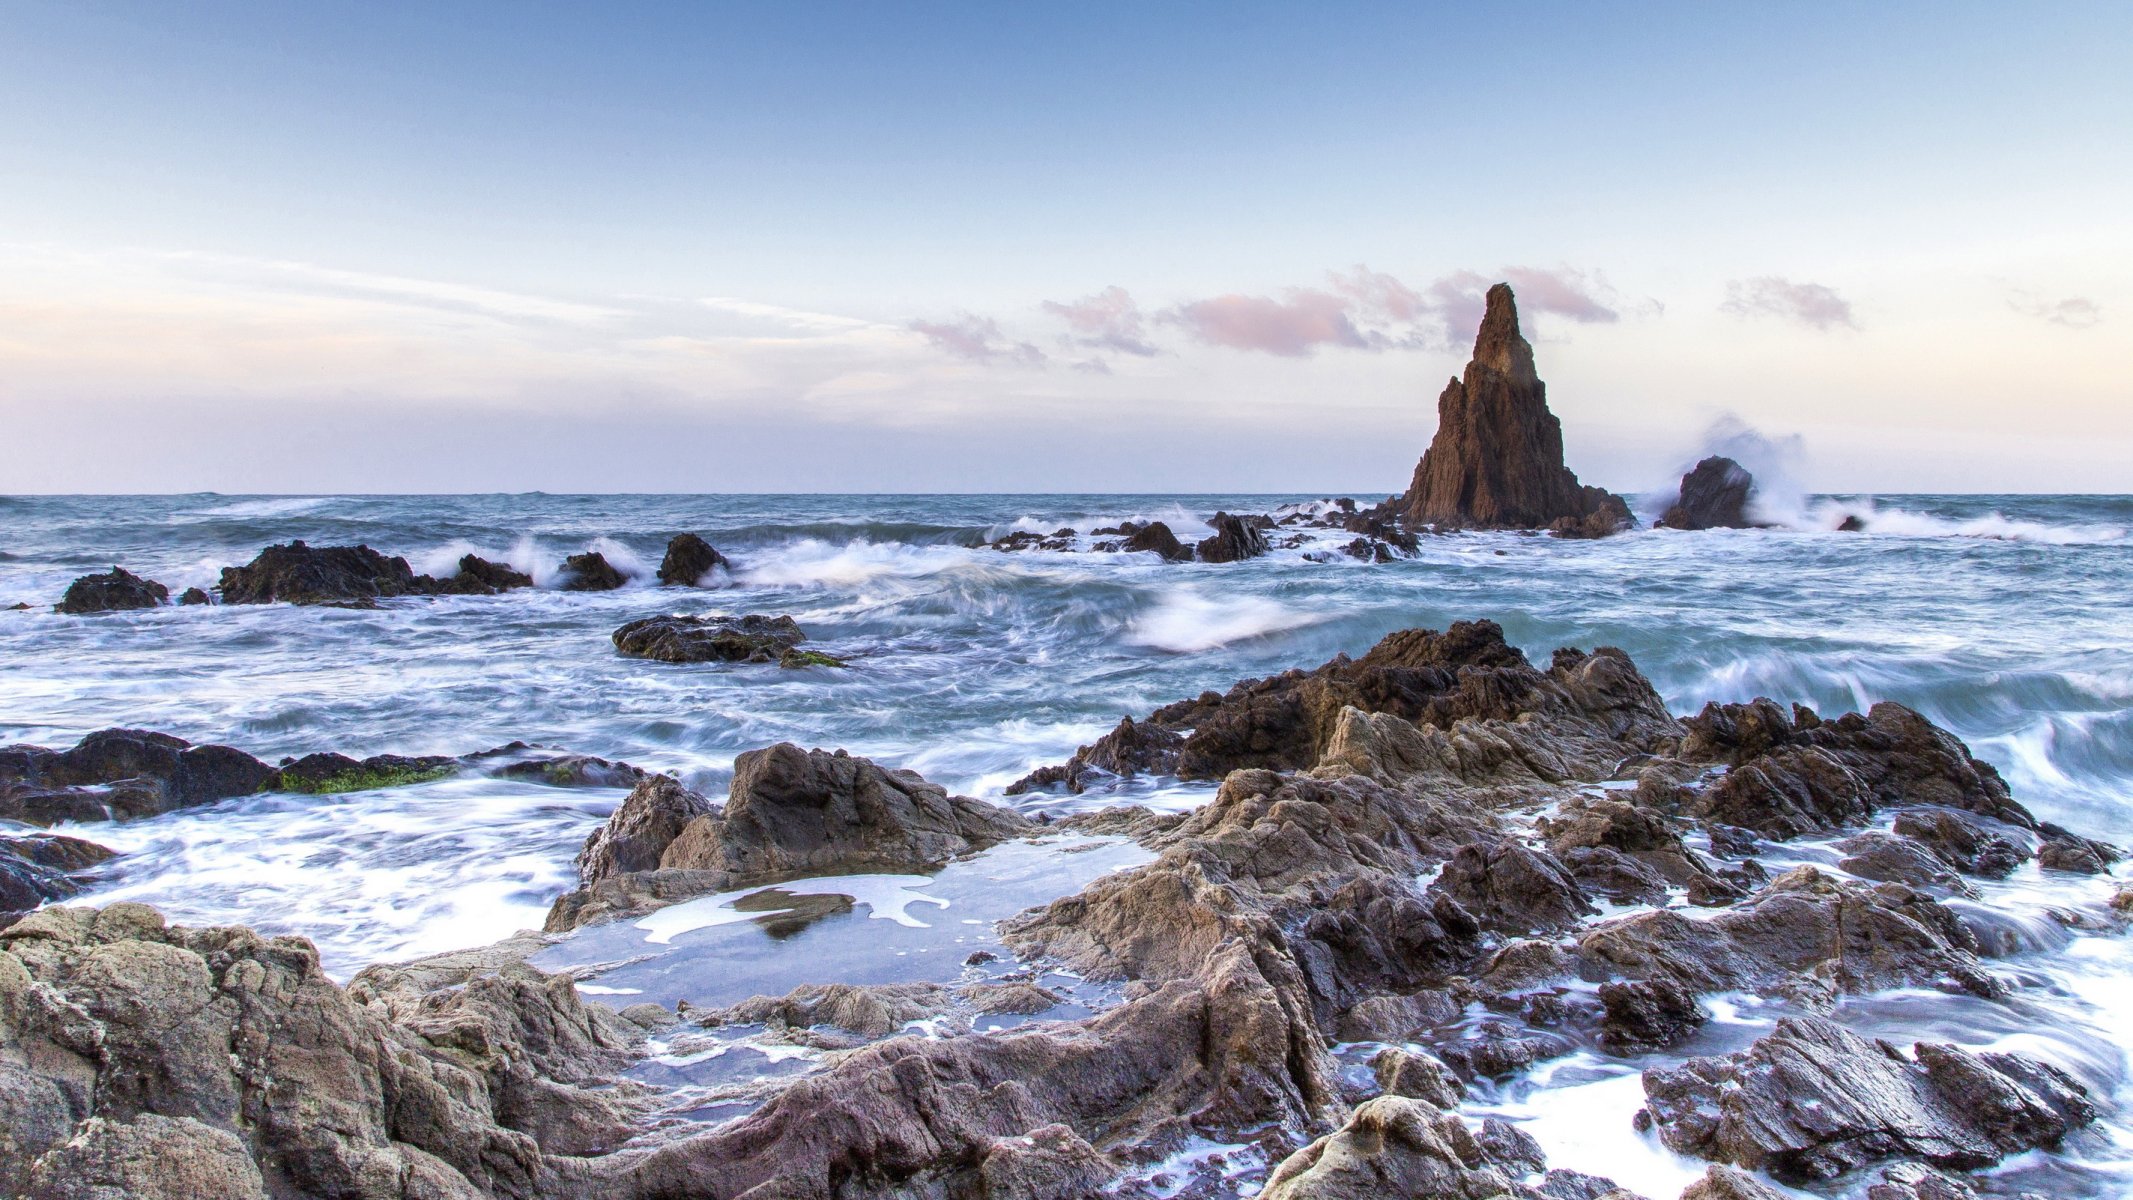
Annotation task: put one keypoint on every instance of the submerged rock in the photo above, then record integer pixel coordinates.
(332, 774)
(116, 591)
(792, 813)
(151, 1060)
(687, 639)
(1814, 1100)
(1497, 459)
(38, 867)
(1234, 539)
(590, 572)
(689, 561)
(1714, 495)
(335, 575)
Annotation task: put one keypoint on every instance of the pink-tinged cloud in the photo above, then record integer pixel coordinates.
(1809, 304)
(2074, 312)
(978, 339)
(1379, 293)
(1292, 327)
(1460, 297)
(1108, 321)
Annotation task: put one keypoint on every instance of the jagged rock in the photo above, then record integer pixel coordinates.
(1963, 842)
(479, 576)
(1891, 858)
(791, 813)
(195, 596)
(121, 774)
(1155, 536)
(1714, 495)
(2065, 851)
(1130, 749)
(686, 639)
(1814, 1100)
(332, 774)
(1410, 1073)
(1721, 1182)
(1807, 935)
(1916, 1181)
(689, 559)
(1235, 539)
(590, 572)
(1648, 1014)
(870, 1010)
(139, 1056)
(339, 575)
(1051, 1162)
(116, 591)
(1395, 1146)
(1514, 889)
(1497, 459)
(572, 770)
(1369, 550)
(38, 867)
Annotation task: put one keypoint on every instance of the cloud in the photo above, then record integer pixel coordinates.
(1458, 299)
(1291, 327)
(2074, 312)
(978, 339)
(1809, 304)
(1108, 321)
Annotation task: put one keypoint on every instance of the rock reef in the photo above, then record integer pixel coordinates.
(115, 591)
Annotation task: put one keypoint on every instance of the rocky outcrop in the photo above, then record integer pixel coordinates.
(139, 1059)
(1714, 495)
(479, 576)
(1814, 1100)
(195, 596)
(120, 774)
(116, 591)
(689, 561)
(1130, 749)
(687, 639)
(1156, 537)
(38, 867)
(1234, 539)
(1396, 1146)
(1497, 459)
(791, 813)
(332, 774)
(590, 572)
(331, 575)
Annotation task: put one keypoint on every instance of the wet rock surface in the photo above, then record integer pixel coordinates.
(1814, 1100)
(479, 576)
(590, 572)
(1714, 495)
(1155, 537)
(1496, 461)
(689, 561)
(331, 575)
(117, 590)
(791, 813)
(689, 639)
(1234, 539)
(35, 868)
(120, 774)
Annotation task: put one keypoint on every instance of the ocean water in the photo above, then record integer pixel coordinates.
(2004, 618)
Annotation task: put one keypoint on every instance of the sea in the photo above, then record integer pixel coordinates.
(2005, 618)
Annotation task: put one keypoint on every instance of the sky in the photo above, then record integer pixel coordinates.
(917, 247)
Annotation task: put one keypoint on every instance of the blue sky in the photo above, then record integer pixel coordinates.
(890, 234)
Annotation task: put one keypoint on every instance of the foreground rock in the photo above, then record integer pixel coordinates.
(689, 561)
(148, 1060)
(792, 813)
(1814, 1100)
(121, 774)
(1714, 495)
(1497, 459)
(688, 639)
(118, 590)
(333, 575)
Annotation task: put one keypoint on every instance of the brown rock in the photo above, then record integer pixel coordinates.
(1497, 459)
(590, 572)
(1714, 495)
(332, 575)
(1156, 536)
(1235, 539)
(689, 559)
(116, 591)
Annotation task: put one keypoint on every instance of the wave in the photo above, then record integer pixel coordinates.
(813, 562)
(277, 506)
(1829, 514)
(1185, 621)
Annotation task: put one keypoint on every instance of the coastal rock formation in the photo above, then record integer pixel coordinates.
(38, 867)
(161, 1061)
(1128, 750)
(193, 596)
(1156, 536)
(115, 591)
(590, 572)
(121, 774)
(332, 774)
(689, 560)
(1397, 1146)
(479, 576)
(336, 575)
(1497, 459)
(1814, 1100)
(792, 813)
(1234, 539)
(686, 639)
(1714, 495)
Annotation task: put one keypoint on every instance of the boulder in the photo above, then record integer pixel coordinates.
(1813, 1100)
(1648, 1014)
(480, 576)
(333, 575)
(1156, 537)
(590, 572)
(1497, 459)
(38, 867)
(1396, 1146)
(118, 774)
(686, 639)
(1714, 495)
(115, 591)
(150, 1157)
(1234, 539)
(1721, 1182)
(333, 774)
(1964, 842)
(1130, 749)
(1514, 889)
(689, 560)
(195, 596)
(791, 813)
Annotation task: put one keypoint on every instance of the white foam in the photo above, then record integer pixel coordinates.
(1186, 620)
(886, 897)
